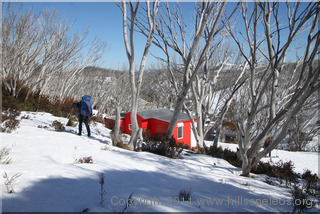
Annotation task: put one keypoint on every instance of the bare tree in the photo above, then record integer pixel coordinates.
(157, 90)
(172, 36)
(35, 47)
(129, 19)
(211, 103)
(21, 46)
(304, 126)
(276, 108)
(115, 133)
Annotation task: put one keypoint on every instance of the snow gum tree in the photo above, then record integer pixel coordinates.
(172, 38)
(35, 47)
(129, 22)
(271, 108)
(211, 101)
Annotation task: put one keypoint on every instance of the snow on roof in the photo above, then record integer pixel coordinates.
(162, 114)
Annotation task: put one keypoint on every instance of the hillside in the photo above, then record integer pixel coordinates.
(51, 180)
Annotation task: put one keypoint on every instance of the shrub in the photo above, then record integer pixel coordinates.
(58, 126)
(285, 171)
(10, 125)
(146, 134)
(169, 148)
(25, 117)
(311, 180)
(158, 137)
(231, 157)
(122, 145)
(97, 119)
(84, 160)
(216, 152)
(71, 122)
(185, 195)
(264, 168)
(102, 192)
(38, 102)
(8, 181)
(226, 154)
(4, 156)
(10, 111)
(300, 200)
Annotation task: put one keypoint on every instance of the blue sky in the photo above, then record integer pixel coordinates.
(105, 21)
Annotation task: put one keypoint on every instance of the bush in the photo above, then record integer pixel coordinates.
(4, 156)
(9, 181)
(169, 148)
(216, 152)
(38, 102)
(84, 160)
(97, 119)
(58, 126)
(122, 145)
(71, 122)
(311, 180)
(10, 111)
(300, 200)
(226, 154)
(10, 125)
(264, 168)
(185, 195)
(158, 137)
(285, 171)
(146, 134)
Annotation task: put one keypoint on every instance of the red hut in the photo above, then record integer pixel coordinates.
(157, 121)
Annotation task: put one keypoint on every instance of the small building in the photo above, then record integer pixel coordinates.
(157, 121)
(228, 132)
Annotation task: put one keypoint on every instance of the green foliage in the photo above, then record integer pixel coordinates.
(264, 168)
(226, 154)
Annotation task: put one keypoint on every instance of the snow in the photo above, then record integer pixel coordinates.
(52, 181)
(301, 160)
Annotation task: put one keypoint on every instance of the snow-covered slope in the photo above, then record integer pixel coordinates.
(300, 160)
(51, 181)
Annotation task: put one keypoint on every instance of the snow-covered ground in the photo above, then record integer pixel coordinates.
(300, 160)
(52, 181)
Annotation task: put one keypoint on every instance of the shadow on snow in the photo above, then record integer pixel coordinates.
(152, 191)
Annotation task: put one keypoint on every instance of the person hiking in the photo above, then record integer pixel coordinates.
(84, 112)
(266, 144)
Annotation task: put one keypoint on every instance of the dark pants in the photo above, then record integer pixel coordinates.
(84, 119)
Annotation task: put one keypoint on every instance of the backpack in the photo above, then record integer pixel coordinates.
(85, 104)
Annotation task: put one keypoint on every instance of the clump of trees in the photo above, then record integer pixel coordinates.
(39, 49)
(264, 95)
(269, 101)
